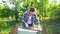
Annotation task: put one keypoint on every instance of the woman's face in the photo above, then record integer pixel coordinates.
(31, 13)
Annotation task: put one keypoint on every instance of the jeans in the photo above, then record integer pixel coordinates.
(30, 25)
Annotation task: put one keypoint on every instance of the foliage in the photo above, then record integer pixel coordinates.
(48, 14)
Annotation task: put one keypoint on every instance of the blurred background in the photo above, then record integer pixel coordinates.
(48, 12)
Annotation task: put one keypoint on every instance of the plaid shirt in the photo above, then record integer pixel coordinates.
(34, 17)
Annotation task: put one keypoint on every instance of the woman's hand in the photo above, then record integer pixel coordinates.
(26, 25)
(39, 28)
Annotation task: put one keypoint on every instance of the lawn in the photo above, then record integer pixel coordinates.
(51, 26)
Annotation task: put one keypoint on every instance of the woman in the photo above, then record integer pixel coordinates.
(28, 18)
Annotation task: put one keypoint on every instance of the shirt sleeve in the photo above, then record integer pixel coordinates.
(23, 20)
(36, 17)
(23, 17)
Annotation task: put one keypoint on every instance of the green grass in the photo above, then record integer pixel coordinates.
(6, 26)
(51, 26)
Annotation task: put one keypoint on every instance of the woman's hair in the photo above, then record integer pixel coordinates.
(32, 9)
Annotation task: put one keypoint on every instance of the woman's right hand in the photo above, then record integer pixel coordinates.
(26, 25)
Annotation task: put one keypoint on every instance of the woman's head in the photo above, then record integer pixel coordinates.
(32, 11)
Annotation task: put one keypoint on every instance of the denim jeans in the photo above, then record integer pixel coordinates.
(30, 25)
